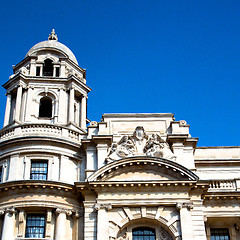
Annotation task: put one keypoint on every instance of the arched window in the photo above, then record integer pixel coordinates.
(143, 233)
(45, 108)
(48, 68)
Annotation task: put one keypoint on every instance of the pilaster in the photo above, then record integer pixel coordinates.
(185, 220)
(90, 221)
(83, 112)
(102, 220)
(71, 105)
(18, 103)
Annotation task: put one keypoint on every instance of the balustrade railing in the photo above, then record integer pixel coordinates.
(223, 185)
(39, 130)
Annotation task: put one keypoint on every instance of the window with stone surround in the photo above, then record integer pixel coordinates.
(219, 234)
(39, 170)
(35, 226)
(38, 71)
(45, 108)
(48, 68)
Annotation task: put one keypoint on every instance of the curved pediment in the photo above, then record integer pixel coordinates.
(143, 168)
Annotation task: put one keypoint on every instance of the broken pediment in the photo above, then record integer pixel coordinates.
(140, 144)
(135, 169)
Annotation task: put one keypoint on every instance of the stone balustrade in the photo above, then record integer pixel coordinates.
(39, 130)
(224, 185)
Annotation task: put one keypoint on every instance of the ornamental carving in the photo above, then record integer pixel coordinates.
(138, 144)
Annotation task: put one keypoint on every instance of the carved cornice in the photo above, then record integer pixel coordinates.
(35, 184)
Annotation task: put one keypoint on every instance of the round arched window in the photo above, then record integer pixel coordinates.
(48, 68)
(45, 108)
(143, 233)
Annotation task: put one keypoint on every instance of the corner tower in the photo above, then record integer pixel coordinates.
(47, 87)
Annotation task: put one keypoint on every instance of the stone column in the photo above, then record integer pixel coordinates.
(186, 221)
(62, 106)
(7, 110)
(8, 224)
(29, 103)
(102, 221)
(18, 103)
(61, 223)
(83, 112)
(71, 105)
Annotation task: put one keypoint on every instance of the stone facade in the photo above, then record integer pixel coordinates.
(130, 176)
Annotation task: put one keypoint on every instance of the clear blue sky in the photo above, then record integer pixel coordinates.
(180, 56)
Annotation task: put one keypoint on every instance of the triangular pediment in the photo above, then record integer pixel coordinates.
(142, 169)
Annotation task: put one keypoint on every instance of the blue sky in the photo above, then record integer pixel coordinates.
(178, 56)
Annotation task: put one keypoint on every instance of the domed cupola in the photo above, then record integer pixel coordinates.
(47, 87)
(54, 46)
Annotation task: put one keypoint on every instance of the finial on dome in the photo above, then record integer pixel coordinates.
(53, 36)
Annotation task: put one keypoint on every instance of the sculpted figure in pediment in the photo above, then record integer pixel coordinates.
(140, 144)
(126, 147)
(157, 147)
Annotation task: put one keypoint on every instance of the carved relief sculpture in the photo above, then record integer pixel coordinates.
(140, 144)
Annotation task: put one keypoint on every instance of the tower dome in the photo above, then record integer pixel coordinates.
(52, 44)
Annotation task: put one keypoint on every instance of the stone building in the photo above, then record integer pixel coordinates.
(130, 176)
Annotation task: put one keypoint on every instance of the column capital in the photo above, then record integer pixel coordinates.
(62, 210)
(106, 206)
(10, 210)
(189, 206)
